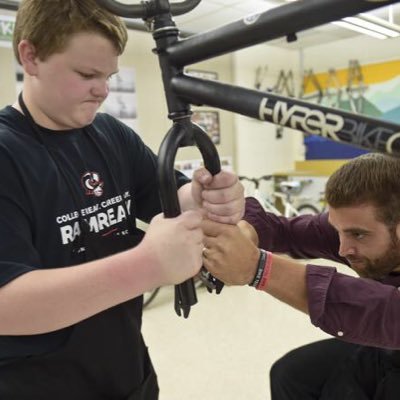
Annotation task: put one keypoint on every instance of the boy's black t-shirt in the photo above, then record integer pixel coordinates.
(39, 216)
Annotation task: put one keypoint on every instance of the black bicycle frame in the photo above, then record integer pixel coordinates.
(181, 90)
(337, 125)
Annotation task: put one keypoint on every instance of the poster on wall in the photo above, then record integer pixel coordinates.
(209, 121)
(187, 167)
(7, 24)
(121, 101)
(384, 96)
(370, 89)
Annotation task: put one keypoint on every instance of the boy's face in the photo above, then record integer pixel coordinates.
(68, 88)
(367, 243)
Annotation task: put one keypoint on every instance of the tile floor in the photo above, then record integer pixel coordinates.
(224, 350)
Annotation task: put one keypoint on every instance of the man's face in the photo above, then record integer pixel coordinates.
(370, 247)
(68, 88)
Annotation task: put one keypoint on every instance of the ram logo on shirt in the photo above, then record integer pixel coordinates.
(92, 184)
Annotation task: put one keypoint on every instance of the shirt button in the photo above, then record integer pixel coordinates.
(340, 333)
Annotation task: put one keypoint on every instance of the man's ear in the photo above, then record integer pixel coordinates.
(27, 56)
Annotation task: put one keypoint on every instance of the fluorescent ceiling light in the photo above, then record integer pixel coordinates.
(359, 29)
(374, 24)
(369, 25)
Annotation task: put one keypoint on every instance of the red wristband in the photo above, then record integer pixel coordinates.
(266, 273)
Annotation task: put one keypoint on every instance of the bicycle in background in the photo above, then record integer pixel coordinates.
(288, 191)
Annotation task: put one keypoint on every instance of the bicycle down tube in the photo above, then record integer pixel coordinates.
(331, 123)
(181, 91)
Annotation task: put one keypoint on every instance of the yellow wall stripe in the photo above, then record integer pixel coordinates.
(372, 73)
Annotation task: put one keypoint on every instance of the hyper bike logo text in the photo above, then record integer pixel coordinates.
(302, 118)
(331, 126)
(100, 217)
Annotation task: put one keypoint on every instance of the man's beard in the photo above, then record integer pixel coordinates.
(379, 267)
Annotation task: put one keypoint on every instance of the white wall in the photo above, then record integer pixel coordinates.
(7, 77)
(362, 48)
(259, 152)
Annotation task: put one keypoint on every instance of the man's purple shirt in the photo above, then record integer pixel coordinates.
(357, 310)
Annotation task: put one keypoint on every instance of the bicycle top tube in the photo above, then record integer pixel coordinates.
(148, 9)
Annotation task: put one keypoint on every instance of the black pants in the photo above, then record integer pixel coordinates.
(335, 370)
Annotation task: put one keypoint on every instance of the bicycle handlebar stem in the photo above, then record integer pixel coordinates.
(147, 9)
(185, 293)
(183, 133)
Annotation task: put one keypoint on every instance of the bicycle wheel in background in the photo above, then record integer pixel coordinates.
(307, 209)
(148, 297)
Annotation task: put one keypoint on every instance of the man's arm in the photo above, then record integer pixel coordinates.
(305, 236)
(232, 255)
(357, 310)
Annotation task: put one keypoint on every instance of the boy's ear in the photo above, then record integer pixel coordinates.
(27, 56)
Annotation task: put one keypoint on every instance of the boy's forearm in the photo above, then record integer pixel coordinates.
(46, 300)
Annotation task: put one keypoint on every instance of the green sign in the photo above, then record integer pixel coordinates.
(6, 28)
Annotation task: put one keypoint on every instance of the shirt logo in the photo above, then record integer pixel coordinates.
(92, 184)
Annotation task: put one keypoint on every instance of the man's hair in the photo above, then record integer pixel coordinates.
(371, 178)
(49, 24)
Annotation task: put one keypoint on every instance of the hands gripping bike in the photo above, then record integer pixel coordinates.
(182, 90)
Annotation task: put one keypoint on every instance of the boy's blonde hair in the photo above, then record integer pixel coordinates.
(49, 24)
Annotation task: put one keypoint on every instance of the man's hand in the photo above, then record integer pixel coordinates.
(221, 196)
(248, 231)
(229, 254)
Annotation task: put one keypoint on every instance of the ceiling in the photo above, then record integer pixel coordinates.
(213, 13)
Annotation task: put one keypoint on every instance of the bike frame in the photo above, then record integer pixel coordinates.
(255, 192)
(288, 209)
(182, 90)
